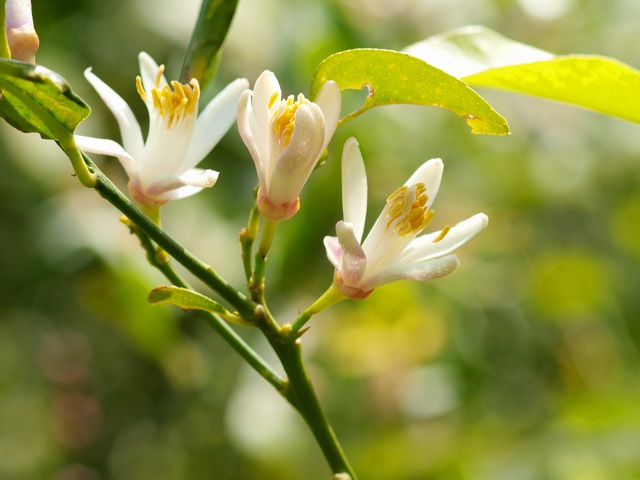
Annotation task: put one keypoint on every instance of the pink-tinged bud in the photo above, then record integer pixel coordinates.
(21, 35)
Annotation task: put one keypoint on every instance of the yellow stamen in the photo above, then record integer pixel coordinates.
(140, 88)
(283, 120)
(443, 233)
(175, 101)
(407, 211)
(273, 99)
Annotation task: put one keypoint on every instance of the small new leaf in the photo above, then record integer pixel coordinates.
(35, 99)
(397, 78)
(190, 300)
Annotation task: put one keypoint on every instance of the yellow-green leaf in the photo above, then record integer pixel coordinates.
(35, 99)
(397, 78)
(602, 84)
(482, 57)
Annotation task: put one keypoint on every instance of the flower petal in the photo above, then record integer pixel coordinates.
(198, 177)
(265, 91)
(266, 98)
(354, 260)
(294, 165)
(330, 102)
(148, 72)
(354, 187)
(429, 173)
(421, 271)
(248, 135)
(129, 126)
(103, 146)
(213, 123)
(334, 251)
(425, 248)
(171, 187)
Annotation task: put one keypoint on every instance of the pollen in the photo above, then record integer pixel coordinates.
(173, 101)
(407, 210)
(283, 120)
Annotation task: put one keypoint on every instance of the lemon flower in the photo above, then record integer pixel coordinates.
(162, 167)
(392, 250)
(285, 138)
(21, 35)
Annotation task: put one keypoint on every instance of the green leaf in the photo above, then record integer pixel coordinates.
(397, 78)
(35, 99)
(201, 58)
(481, 57)
(190, 300)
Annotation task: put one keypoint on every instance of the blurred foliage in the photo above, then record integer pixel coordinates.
(522, 365)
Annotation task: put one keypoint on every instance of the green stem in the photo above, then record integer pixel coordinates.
(68, 144)
(224, 330)
(269, 228)
(298, 389)
(158, 258)
(247, 236)
(249, 355)
(352, 115)
(110, 192)
(328, 298)
(289, 350)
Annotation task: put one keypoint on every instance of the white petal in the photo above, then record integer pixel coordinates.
(103, 146)
(245, 115)
(294, 165)
(354, 260)
(424, 247)
(429, 173)
(354, 187)
(197, 177)
(149, 71)
(165, 147)
(172, 187)
(421, 271)
(266, 99)
(330, 101)
(214, 122)
(334, 251)
(264, 90)
(129, 126)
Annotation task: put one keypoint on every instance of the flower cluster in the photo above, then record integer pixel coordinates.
(285, 137)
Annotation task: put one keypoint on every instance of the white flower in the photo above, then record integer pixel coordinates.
(286, 138)
(162, 168)
(392, 250)
(21, 34)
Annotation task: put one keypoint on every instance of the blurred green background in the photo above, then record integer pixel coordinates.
(524, 364)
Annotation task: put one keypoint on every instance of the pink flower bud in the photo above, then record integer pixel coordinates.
(21, 34)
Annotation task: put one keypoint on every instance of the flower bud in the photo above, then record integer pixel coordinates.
(21, 35)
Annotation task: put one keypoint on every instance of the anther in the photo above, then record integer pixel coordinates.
(443, 233)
